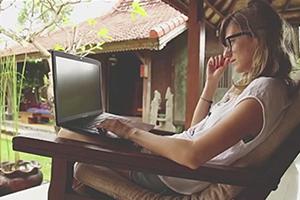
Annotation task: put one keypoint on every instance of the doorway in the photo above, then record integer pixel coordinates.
(125, 85)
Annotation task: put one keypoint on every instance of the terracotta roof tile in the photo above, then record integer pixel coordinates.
(161, 19)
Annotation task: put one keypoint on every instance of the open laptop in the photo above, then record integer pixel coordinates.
(78, 94)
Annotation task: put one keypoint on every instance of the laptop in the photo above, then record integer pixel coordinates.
(78, 94)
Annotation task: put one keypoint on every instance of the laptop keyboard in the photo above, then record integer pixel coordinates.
(91, 125)
(88, 125)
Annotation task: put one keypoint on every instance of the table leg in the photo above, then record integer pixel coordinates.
(61, 179)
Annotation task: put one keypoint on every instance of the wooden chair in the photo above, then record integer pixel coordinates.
(258, 181)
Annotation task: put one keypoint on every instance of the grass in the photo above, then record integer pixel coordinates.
(7, 154)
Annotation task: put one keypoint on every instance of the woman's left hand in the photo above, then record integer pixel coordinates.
(118, 127)
(216, 66)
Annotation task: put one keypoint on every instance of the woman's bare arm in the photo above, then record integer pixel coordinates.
(202, 108)
(247, 118)
(215, 68)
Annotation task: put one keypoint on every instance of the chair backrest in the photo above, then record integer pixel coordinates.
(267, 149)
(273, 157)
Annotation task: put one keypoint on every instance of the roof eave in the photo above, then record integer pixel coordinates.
(178, 5)
(163, 40)
(130, 45)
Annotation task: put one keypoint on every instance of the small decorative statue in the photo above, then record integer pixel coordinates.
(155, 105)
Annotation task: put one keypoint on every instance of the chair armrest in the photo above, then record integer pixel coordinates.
(114, 154)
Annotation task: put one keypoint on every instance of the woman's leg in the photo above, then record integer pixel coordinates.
(96, 173)
(110, 181)
(151, 182)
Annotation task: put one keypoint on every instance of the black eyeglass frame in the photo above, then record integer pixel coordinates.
(228, 39)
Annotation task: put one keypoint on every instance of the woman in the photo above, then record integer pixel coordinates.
(256, 45)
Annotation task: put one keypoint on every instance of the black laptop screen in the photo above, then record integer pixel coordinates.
(77, 87)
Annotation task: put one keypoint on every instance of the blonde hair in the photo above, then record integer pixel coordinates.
(275, 53)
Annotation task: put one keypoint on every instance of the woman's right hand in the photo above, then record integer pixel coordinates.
(118, 126)
(215, 68)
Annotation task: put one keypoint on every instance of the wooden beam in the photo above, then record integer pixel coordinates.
(145, 58)
(196, 17)
(208, 17)
(291, 15)
(184, 8)
(214, 8)
(286, 5)
(178, 5)
(228, 7)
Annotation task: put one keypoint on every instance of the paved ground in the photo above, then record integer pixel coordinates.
(35, 193)
(24, 126)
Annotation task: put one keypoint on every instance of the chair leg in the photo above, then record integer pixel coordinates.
(61, 179)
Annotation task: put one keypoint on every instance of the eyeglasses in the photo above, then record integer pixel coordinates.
(228, 40)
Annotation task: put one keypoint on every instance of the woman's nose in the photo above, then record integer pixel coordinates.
(227, 52)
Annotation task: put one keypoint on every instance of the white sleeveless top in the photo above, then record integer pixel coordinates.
(271, 93)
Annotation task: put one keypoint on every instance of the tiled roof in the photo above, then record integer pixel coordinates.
(161, 21)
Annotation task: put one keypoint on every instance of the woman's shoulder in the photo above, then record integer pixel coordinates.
(267, 84)
(267, 81)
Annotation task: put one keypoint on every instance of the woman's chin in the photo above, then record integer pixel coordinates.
(240, 69)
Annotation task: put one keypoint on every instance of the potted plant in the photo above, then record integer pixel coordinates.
(17, 175)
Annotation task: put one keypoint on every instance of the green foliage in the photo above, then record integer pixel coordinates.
(103, 33)
(38, 14)
(137, 10)
(41, 10)
(34, 73)
(59, 47)
(22, 16)
(11, 84)
(41, 16)
(91, 22)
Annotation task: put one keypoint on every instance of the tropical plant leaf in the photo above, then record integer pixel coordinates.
(137, 10)
(98, 48)
(82, 48)
(103, 33)
(91, 22)
(58, 47)
(99, 45)
(65, 20)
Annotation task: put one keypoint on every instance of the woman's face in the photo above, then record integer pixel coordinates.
(240, 47)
